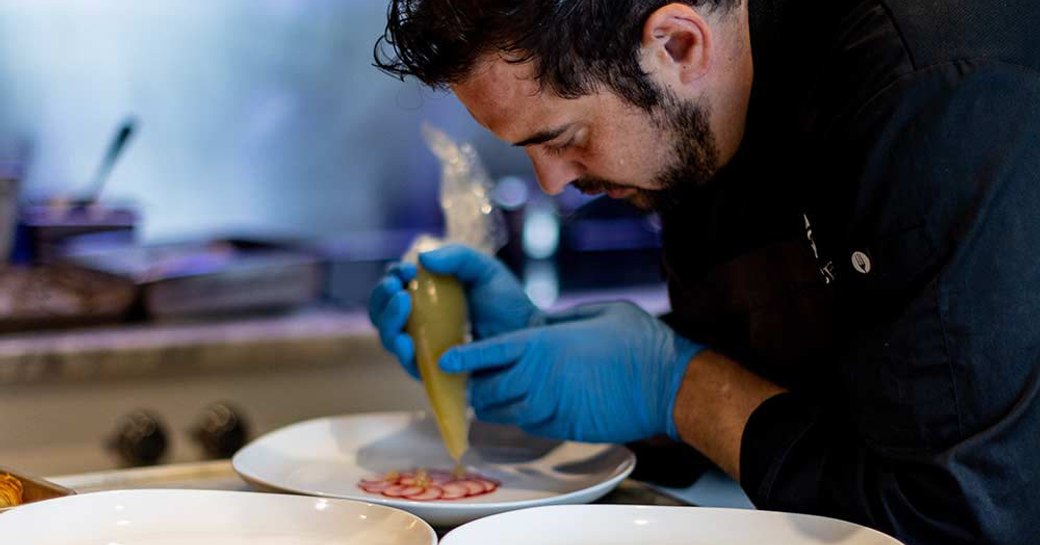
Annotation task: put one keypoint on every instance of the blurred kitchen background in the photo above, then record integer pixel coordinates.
(196, 197)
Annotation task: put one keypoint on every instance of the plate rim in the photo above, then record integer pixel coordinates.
(91, 497)
(619, 507)
(619, 474)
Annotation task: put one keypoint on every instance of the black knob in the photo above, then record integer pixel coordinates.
(220, 431)
(139, 439)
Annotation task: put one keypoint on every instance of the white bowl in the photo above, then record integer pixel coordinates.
(629, 525)
(209, 517)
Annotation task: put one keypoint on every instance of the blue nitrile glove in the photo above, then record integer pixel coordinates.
(601, 373)
(388, 309)
(497, 302)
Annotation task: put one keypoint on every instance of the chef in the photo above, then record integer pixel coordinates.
(850, 194)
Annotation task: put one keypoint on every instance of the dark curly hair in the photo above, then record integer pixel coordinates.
(576, 45)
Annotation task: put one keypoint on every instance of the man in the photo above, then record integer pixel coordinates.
(850, 192)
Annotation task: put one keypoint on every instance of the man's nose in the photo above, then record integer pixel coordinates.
(555, 174)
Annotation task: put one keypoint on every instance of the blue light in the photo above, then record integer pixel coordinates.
(541, 234)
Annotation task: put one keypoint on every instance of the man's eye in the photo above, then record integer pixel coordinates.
(556, 150)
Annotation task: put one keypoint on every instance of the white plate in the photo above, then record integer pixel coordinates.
(327, 457)
(627, 524)
(209, 517)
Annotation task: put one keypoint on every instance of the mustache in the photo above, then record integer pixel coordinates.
(595, 186)
(642, 199)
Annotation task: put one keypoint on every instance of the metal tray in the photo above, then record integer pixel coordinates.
(215, 277)
(60, 296)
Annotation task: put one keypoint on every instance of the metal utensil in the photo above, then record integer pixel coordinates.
(115, 150)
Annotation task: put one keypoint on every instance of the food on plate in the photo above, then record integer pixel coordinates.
(10, 491)
(432, 485)
(438, 322)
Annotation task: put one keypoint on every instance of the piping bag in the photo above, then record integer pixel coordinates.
(438, 320)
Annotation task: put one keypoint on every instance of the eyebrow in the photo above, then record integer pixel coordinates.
(542, 136)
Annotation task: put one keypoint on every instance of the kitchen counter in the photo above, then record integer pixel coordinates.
(219, 475)
(713, 489)
(64, 393)
(315, 336)
(310, 337)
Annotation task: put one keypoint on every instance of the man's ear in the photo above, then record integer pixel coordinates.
(677, 44)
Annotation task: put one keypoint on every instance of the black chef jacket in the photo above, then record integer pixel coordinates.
(875, 247)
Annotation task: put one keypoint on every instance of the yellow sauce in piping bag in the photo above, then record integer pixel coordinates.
(437, 323)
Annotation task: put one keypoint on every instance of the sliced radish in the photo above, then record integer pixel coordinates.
(429, 494)
(440, 477)
(428, 485)
(413, 490)
(454, 491)
(376, 487)
(395, 491)
(489, 485)
(472, 487)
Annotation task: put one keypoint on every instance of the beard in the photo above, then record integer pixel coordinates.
(692, 162)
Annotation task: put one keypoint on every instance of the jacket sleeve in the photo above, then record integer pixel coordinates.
(930, 428)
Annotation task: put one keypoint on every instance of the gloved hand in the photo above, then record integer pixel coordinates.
(497, 302)
(601, 373)
(388, 308)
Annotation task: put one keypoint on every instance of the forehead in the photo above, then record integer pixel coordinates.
(505, 98)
